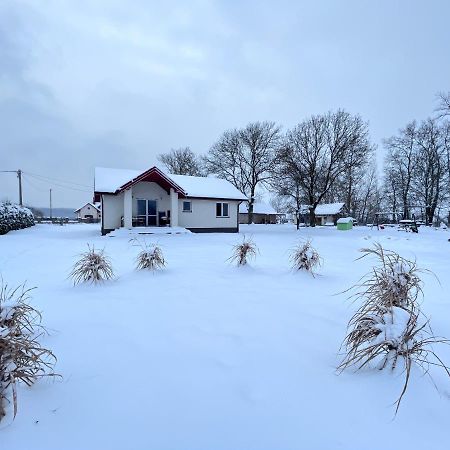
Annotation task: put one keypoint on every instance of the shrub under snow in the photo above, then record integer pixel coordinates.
(14, 217)
(22, 359)
(389, 326)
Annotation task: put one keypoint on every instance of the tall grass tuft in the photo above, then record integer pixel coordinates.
(243, 252)
(150, 257)
(389, 327)
(93, 266)
(305, 257)
(22, 358)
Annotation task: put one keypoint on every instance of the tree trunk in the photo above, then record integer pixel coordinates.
(250, 209)
(405, 209)
(312, 216)
(428, 215)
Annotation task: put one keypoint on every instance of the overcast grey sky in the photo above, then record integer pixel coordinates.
(114, 83)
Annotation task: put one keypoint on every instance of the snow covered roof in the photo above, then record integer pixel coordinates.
(345, 220)
(96, 205)
(258, 208)
(210, 187)
(112, 180)
(329, 209)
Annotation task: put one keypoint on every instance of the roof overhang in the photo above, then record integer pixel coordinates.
(153, 175)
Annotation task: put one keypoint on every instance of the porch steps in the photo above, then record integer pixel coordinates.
(127, 232)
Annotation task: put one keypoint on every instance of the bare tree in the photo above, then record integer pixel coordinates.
(431, 174)
(182, 161)
(443, 108)
(316, 152)
(245, 157)
(391, 192)
(287, 186)
(350, 184)
(402, 161)
(278, 203)
(369, 194)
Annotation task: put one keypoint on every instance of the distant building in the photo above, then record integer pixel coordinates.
(262, 213)
(326, 213)
(89, 211)
(329, 213)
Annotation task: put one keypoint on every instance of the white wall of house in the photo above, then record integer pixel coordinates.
(88, 210)
(326, 219)
(112, 211)
(203, 214)
(151, 191)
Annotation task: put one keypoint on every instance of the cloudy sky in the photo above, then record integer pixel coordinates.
(114, 83)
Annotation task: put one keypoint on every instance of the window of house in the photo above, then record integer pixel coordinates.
(187, 206)
(222, 210)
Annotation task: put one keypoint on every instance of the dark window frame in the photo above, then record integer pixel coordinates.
(220, 210)
(190, 206)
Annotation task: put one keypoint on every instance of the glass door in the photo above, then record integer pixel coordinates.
(141, 219)
(151, 213)
(146, 213)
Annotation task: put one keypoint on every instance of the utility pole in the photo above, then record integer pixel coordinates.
(19, 176)
(51, 212)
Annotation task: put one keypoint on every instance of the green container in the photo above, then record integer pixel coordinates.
(345, 224)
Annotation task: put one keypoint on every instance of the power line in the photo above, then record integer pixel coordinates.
(57, 180)
(34, 186)
(58, 184)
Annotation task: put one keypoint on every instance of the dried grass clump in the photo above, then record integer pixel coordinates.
(243, 252)
(389, 326)
(305, 257)
(93, 266)
(395, 282)
(22, 359)
(150, 257)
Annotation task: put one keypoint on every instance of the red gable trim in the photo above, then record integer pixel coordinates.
(156, 176)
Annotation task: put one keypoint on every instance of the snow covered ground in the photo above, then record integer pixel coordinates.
(208, 356)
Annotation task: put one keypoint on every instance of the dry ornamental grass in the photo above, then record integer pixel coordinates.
(150, 257)
(22, 359)
(389, 326)
(305, 257)
(243, 252)
(93, 266)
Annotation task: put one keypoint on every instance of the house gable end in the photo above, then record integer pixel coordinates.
(156, 176)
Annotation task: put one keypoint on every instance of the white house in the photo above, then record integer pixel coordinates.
(329, 213)
(89, 211)
(326, 213)
(262, 213)
(151, 198)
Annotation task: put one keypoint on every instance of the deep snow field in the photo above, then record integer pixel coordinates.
(206, 356)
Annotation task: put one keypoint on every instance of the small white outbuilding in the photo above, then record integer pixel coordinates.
(89, 211)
